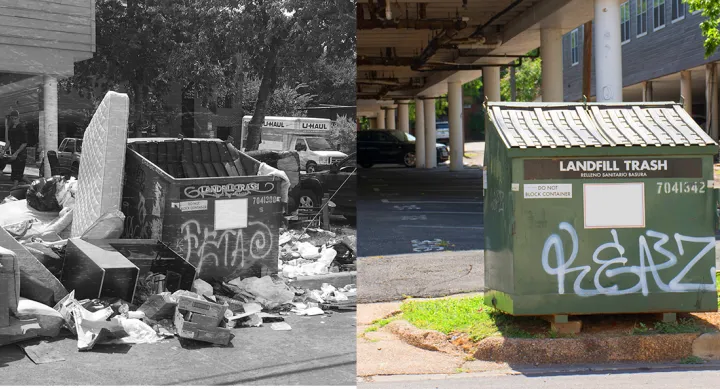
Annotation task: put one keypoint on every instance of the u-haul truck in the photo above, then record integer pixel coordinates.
(307, 136)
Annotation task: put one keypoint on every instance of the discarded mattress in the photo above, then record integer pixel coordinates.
(100, 177)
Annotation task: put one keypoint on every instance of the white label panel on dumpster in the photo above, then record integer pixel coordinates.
(548, 191)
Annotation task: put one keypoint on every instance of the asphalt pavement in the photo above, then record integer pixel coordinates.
(318, 350)
(700, 378)
(406, 211)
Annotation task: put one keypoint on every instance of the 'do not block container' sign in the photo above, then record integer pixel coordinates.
(598, 208)
(103, 157)
(214, 211)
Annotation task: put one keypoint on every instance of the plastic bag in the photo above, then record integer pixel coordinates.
(41, 195)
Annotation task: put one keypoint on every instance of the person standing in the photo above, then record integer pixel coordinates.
(17, 138)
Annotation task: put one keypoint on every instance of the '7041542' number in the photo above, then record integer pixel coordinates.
(681, 187)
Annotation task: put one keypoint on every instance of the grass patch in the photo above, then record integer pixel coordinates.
(467, 315)
(380, 323)
(692, 360)
(682, 326)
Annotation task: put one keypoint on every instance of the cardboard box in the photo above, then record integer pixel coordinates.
(201, 319)
(9, 285)
(203, 307)
(210, 334)
(94, 272)
(158, 307)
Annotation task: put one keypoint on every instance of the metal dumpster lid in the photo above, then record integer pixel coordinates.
(539, 125)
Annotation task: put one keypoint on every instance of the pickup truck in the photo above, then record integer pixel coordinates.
(69, 153)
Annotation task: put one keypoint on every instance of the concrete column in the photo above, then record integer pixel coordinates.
(647, 91)
(455, 118)
(403, 116)
(551, 50)
(711, 99)
(50, 106)
(430, 134)
(491, 82)
(372, 122)
(686, 90)
(381, 120)
(608, 51)
(419, 134)
(390, 118)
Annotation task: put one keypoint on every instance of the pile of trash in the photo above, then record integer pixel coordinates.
(315, 252)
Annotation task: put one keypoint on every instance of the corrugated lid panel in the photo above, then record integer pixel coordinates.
(553, 125)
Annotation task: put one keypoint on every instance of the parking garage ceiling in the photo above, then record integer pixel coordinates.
(401, 43)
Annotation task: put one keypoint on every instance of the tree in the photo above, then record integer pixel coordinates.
(527, 81)
(709, 26)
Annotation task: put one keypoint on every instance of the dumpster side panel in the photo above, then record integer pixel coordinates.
(225, 227)
(661, 262)
(498, 220)
(144, 193)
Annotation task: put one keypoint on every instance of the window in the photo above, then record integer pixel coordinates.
(574, 56)
(658, 14)
(223, 132)
(678, 10)
(641, 18)
(300, 145)
(625, 22)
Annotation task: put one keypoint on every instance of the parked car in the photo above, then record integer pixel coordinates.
(339, 181)
(391, 146)
(69, 153)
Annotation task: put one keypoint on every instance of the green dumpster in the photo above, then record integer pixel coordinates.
(598, 208)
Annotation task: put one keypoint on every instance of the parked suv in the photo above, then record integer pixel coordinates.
(390, 146)
(340, 182)
(69, 153)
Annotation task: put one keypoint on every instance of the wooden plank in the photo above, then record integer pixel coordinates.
(618, 125)
(49, 7)
(679, 140)
(660, 135)
(45, 43)
(564, 128)
(15, 21)
(210, 169)
(231, 169)
(153, 152)
(590, 127)
(512, 114)
(661, 138)
(205, 152)
(556, 135)
(45, 16)
(540, 135)
(691, 137)
(200, 169)
(500, 122)
(601, 122)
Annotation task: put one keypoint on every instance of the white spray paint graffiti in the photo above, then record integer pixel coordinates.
(224, 248)
(647, 263)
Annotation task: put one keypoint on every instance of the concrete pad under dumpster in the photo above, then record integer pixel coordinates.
(216, 212)
(598, 208)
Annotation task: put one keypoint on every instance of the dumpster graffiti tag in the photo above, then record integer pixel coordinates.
(227, 190)
(224, 248)
(647, 264)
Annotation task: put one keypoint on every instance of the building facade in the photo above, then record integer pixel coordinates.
(662, 44)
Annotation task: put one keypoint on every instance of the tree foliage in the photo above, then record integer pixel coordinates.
(343, 134)
(709, 26)
(281, 55)
(528, 77)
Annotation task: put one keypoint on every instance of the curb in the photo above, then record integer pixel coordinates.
(632, 348)
(425, 339)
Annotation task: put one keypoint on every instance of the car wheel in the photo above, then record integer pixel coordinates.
(409, 159)
(366, 165)
(308, 199)
(311, 167)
